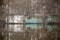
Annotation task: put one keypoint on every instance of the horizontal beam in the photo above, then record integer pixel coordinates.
(24, 23)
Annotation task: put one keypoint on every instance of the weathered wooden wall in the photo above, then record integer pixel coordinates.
(26, 7)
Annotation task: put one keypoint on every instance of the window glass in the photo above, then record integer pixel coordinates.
(15, 19)
(33, 22)
(51, 22)
(11, 19)
(16, 28)
(18, 19)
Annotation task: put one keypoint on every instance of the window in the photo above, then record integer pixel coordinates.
(15, 19)
(33, 22)
(51, 22)
(16, 28)
(15, 23)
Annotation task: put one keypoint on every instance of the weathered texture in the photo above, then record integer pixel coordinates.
(34, 6)
(29, 7)
(2, 10)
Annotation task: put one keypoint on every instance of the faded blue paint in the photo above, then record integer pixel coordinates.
(33, 26)
(31, 21)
